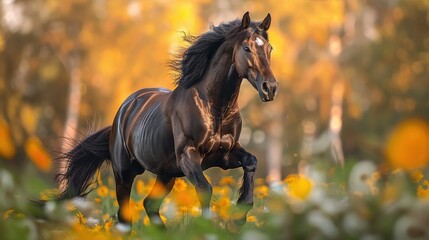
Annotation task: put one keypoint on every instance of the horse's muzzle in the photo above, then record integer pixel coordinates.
(268, 90)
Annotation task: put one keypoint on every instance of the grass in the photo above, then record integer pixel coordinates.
(324, 202)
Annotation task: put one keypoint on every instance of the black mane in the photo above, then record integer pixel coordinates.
(192, 63)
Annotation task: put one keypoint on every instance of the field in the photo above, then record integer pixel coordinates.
(357, 201)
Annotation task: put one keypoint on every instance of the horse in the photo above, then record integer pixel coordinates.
(185, 131)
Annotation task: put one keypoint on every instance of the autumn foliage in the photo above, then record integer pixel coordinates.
(343, 151)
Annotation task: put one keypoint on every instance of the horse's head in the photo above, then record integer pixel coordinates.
(252, 58)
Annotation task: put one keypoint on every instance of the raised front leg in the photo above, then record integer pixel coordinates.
(190, 163)
(238, 156)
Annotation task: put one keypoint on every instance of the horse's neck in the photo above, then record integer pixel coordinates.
(221, 84)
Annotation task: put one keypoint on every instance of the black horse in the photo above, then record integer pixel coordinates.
(185, 131)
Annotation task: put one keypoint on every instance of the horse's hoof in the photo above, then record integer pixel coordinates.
(123, 228)
(207, 214)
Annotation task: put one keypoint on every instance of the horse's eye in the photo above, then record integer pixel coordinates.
(247, 49)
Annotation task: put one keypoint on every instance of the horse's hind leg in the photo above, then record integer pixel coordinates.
(124, 184)
(124, 179)
(153, 201)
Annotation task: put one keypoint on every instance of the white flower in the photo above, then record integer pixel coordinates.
(324, 224)
(359, 176)
(353, 224)
(409, 228)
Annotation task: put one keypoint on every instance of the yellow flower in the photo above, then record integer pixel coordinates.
(112, 193)
(108, 225)
(221, 191)
(186, 198)
(48, 194)
(195, 211)
(140, 189)
(251, 218)
(180, 185)
(81, 219)
(423, 190)
(70, 207)
(299, 186)
(8, 213)
(417, 176)
(408, 145)
(106, 216)
(228, 180)
(139, 206)
(372, 182)
(146, 221)
(222, 207)
(103, 191)
(259, 181)
(261, 191)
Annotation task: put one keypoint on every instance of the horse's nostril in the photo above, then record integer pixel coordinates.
(275, 89)
(265, 87)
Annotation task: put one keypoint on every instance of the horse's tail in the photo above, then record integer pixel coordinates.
(81, 164)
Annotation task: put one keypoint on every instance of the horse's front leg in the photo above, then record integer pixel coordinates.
(190, 163)
(240, 157)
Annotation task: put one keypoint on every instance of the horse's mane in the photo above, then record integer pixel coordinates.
(192, 63)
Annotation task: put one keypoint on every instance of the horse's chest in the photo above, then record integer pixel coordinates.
(216, 142)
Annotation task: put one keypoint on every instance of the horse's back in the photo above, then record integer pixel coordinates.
(142, 129)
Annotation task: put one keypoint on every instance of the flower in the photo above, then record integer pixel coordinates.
(48, 194)
(222, 207)
(408, 227)
(81, 219)
(186, 198)
(417, 176)
(103, 191)
(251, 218)
(408, 145)
(363, 177)
(180, 185)
(423, 190)
(227, 181)
(299, 186)
(261, 191)
(8, 213)
(140, 188)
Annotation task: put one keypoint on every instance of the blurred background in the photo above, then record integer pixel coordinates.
(353, 76)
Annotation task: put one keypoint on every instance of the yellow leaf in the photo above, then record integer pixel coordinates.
(7, 148)
(37, 153)
(29, 117)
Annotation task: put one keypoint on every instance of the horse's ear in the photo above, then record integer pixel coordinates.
(245, 22)
(265, 25)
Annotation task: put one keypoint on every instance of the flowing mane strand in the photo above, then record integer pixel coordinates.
(192, 63)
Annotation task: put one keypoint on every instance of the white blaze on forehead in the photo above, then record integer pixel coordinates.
(259, 41)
